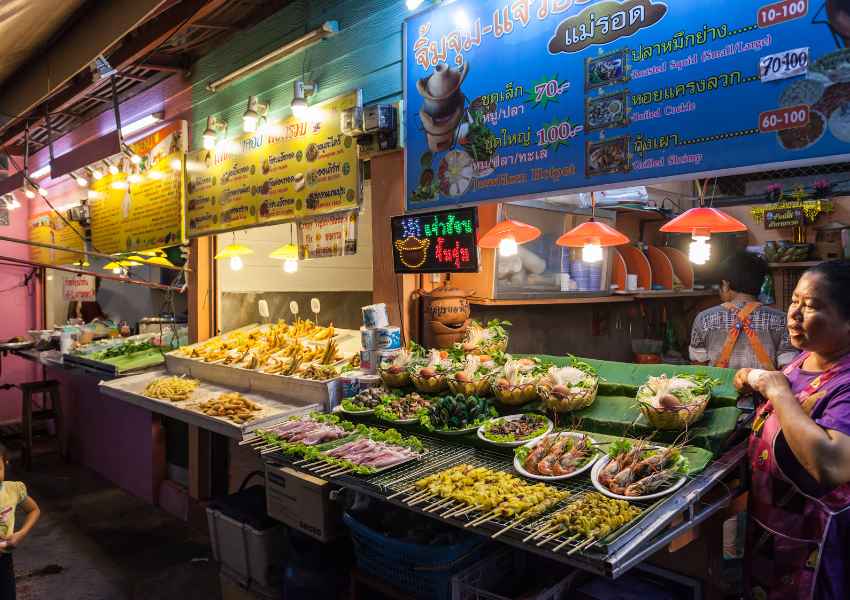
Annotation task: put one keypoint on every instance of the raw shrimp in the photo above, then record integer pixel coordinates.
(537, 454)
(545, 466)
(570, 460)
(651, 484)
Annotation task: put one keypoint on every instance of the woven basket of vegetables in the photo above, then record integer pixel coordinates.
(489, 339)
(570, 388)
(473, 378)
(430, 378)
(429, 384)
(515, 383)
(393, 377)
(675, 403)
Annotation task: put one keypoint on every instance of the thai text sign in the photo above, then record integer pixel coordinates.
(788, 217)
(328, 235)
(79, 288)
(288, 170)
(438, 242)
(140, 207)
(521, 98)
(51, 228)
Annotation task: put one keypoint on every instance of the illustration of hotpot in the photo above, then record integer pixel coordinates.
(442, 108)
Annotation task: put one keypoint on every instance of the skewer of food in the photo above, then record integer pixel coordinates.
(675, 402)
(296, 434)
(635, 469)
(493, 494)
(559, 455)
(371, 450)
(457, 414)
(589, 518)
(569, 388)
(514, 430)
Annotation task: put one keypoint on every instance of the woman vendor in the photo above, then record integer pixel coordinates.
(798, 539)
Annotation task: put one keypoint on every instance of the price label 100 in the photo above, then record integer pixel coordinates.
(784, 118)
(779, 12)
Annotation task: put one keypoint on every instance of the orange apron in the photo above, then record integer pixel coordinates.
(743, 323)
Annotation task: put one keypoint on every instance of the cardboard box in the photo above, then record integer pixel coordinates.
(303, 502)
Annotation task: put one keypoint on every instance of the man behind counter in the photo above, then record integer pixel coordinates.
(741, 333)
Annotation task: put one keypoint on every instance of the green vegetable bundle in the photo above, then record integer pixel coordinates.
(451, 413)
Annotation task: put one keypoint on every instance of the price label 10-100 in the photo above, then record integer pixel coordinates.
(784, 118)
(783, 65)
(779, 12)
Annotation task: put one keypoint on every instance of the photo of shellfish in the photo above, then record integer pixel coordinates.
(607, 156)
(606, 70)
(803, 137)
(443, 104)
(606, 112)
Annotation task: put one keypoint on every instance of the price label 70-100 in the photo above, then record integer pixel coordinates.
(784, 64)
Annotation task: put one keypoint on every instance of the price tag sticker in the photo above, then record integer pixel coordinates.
(783, 65)
(784, 118)
(779, 12)
(293, 307)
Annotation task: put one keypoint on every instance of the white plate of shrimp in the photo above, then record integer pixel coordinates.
(648, 484)
(564, 454)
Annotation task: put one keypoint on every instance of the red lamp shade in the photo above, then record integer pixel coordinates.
(703, 221)
(592, 232)
(519, 231)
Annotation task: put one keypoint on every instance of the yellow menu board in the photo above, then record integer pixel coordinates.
(49, 228)
(140, 207)
(294, 169)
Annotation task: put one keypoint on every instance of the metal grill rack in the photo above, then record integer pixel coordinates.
(612, 556)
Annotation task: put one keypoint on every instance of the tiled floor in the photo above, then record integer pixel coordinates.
(96, 542)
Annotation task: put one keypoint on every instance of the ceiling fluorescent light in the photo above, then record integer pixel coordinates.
(327, 29)
(143, 123)
(41, 172)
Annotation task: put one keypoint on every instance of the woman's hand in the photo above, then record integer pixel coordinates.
(767, 383)
(14, 540)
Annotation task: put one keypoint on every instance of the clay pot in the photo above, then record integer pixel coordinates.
(449, 305)
(446, 336)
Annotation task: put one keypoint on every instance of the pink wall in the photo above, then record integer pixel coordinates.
(18, 309)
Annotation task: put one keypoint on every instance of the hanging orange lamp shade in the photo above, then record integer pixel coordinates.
(592, 232)
(521, 232)
(703, 221)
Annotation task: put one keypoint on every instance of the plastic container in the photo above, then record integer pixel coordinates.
(387, 338)
(350, 383)
(375, 315)
(244, 539)
(368, 338)
(425, 572)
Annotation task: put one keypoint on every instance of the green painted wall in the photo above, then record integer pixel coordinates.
(366, 54)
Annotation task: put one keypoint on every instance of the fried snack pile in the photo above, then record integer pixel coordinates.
(173, 389)
(232, 406)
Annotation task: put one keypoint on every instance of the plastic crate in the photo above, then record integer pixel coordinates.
(497, 572)
(422, 571)
(244, 539)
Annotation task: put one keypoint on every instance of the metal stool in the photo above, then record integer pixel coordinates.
(47, 389)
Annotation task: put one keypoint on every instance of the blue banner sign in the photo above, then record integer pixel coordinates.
(522, 98)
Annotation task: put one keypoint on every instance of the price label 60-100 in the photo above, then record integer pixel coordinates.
(784, 64)
(784, 118)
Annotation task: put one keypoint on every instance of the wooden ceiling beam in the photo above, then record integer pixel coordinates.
(133, 49)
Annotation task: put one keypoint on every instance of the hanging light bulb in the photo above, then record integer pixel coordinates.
(592, 236)
(699, 251)
(236, 263)
(97, 174)
(29, 192)
(135, 159)
(508, 235)
(290, 265)
(508, 247)
(300, 107)
(81, 181)
(591, 253)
